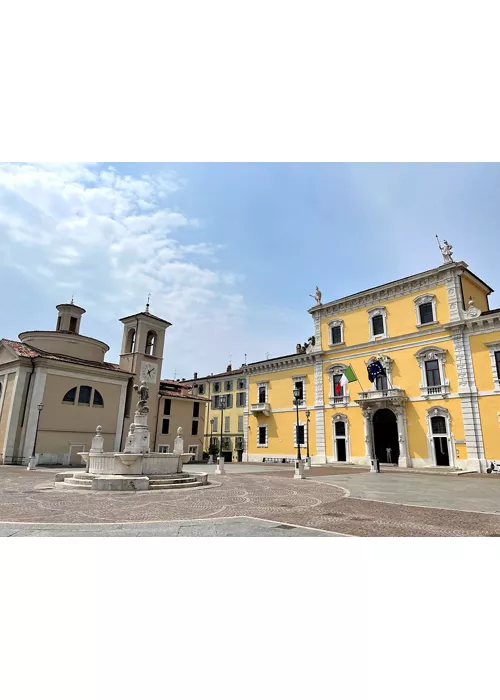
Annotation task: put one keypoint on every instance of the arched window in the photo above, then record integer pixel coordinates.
(98, 400)
(70, 396)
(84, 395)
(150, 343)
(130, 341)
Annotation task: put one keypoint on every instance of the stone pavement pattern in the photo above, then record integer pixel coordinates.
(31, 497)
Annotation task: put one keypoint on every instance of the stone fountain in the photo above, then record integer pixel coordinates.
(136, 468)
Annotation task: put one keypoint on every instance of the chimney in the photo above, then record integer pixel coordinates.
(229, 368)
(195, 375)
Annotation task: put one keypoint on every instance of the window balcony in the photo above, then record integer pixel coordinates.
(439, 390)
(338, 400)
(264, 408)
(378, 397)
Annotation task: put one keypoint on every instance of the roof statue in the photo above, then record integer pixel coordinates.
(446, 251)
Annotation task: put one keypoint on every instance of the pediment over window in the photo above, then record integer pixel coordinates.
(431, 353)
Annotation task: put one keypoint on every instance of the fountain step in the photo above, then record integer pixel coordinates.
(174, 485)
(171, 479)
(78, 483)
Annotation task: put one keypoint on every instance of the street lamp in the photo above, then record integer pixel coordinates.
(308, 413)
(296, 396)
(220, 463)
(32, 458)
(211, 446)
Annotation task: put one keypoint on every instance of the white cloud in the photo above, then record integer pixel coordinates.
(115, 238)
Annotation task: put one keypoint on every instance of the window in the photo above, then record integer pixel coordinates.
(226, 444)
(242, 384)
(165, 426)
(241, 399)
(381, 383)
(262, 436)
(70, 396)
(227, 424)
(338, 389)
(98, 400)
(215, 421)
(215, 401)
(336, 335)
(229, 401)
(228, 386)
(262, 394)
(216, 387)
(426, 313)
(339, 429)
(84, 395)
(194, 427)
(299, 384)
(497, 363)
(438, 424)
(300, 434)
(201, 388)
(58, 327)
(432, 373)
(150, 343)
(378, 324)
(196, 409)
(163, 449)
(130, 341)
(215, 442)
(193, 450)
(240, 424)
(72, 324)
(167, 405)
(425, 309)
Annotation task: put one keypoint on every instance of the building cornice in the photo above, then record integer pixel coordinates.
(280, 364)
(391, 290)
(485, 323)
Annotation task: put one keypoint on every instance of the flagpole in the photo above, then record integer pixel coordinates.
(357, 379)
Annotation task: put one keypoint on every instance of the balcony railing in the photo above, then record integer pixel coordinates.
(263, 407)
(438, 390)
(381, 394)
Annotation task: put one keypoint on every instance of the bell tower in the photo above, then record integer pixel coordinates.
(142, 355)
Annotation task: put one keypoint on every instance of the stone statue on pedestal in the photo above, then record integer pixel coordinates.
(316, 296)
(446, 251)
(143, 392)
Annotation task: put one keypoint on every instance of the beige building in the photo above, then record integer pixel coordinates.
(232, 386)
(180, 408)
(65, 374)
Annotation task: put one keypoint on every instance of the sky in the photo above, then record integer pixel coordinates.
(230, 252)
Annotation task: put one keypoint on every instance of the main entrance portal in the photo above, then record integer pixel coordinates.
(385, 436)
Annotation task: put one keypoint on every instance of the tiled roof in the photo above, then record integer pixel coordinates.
(213, 376)
(176, 390)
(25, 350)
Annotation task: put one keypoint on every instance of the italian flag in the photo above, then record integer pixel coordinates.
(348, 376)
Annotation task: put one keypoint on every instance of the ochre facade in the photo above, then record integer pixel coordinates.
(438, 404)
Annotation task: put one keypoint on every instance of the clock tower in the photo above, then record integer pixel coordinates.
(142, 356)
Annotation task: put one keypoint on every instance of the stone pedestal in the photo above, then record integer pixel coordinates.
(137, 441)
(220, 466)
(307, 463)
(374, 466)
(299, 469)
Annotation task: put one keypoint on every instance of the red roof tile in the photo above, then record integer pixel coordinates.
(25, 350)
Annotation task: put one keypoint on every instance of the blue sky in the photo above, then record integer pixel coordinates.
(230, 252)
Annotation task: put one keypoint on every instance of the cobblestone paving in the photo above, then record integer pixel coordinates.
(32, 497)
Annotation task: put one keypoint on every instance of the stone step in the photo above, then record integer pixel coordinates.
(78, 483)
(181, 480)
(182, 485)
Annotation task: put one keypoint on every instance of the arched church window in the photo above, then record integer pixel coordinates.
(150, 343)
(84, 395)
(131, 340)
(70, 396)
(98, 400)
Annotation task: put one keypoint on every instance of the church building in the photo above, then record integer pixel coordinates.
(56, 388)
(407, 372)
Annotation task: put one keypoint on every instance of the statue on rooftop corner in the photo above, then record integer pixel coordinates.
(316, 296)
(446, 251)
(143, 392)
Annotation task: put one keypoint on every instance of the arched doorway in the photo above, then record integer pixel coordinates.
(385, 436)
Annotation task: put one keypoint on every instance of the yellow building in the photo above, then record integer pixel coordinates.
(231, 386)
(437, 401)
(178, 408)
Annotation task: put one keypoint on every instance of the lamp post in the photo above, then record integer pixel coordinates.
(31, 460)
(211, 445)
(296, 396)
(220, 461)
(308, 413)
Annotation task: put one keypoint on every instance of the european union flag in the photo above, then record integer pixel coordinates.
(375, 369)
